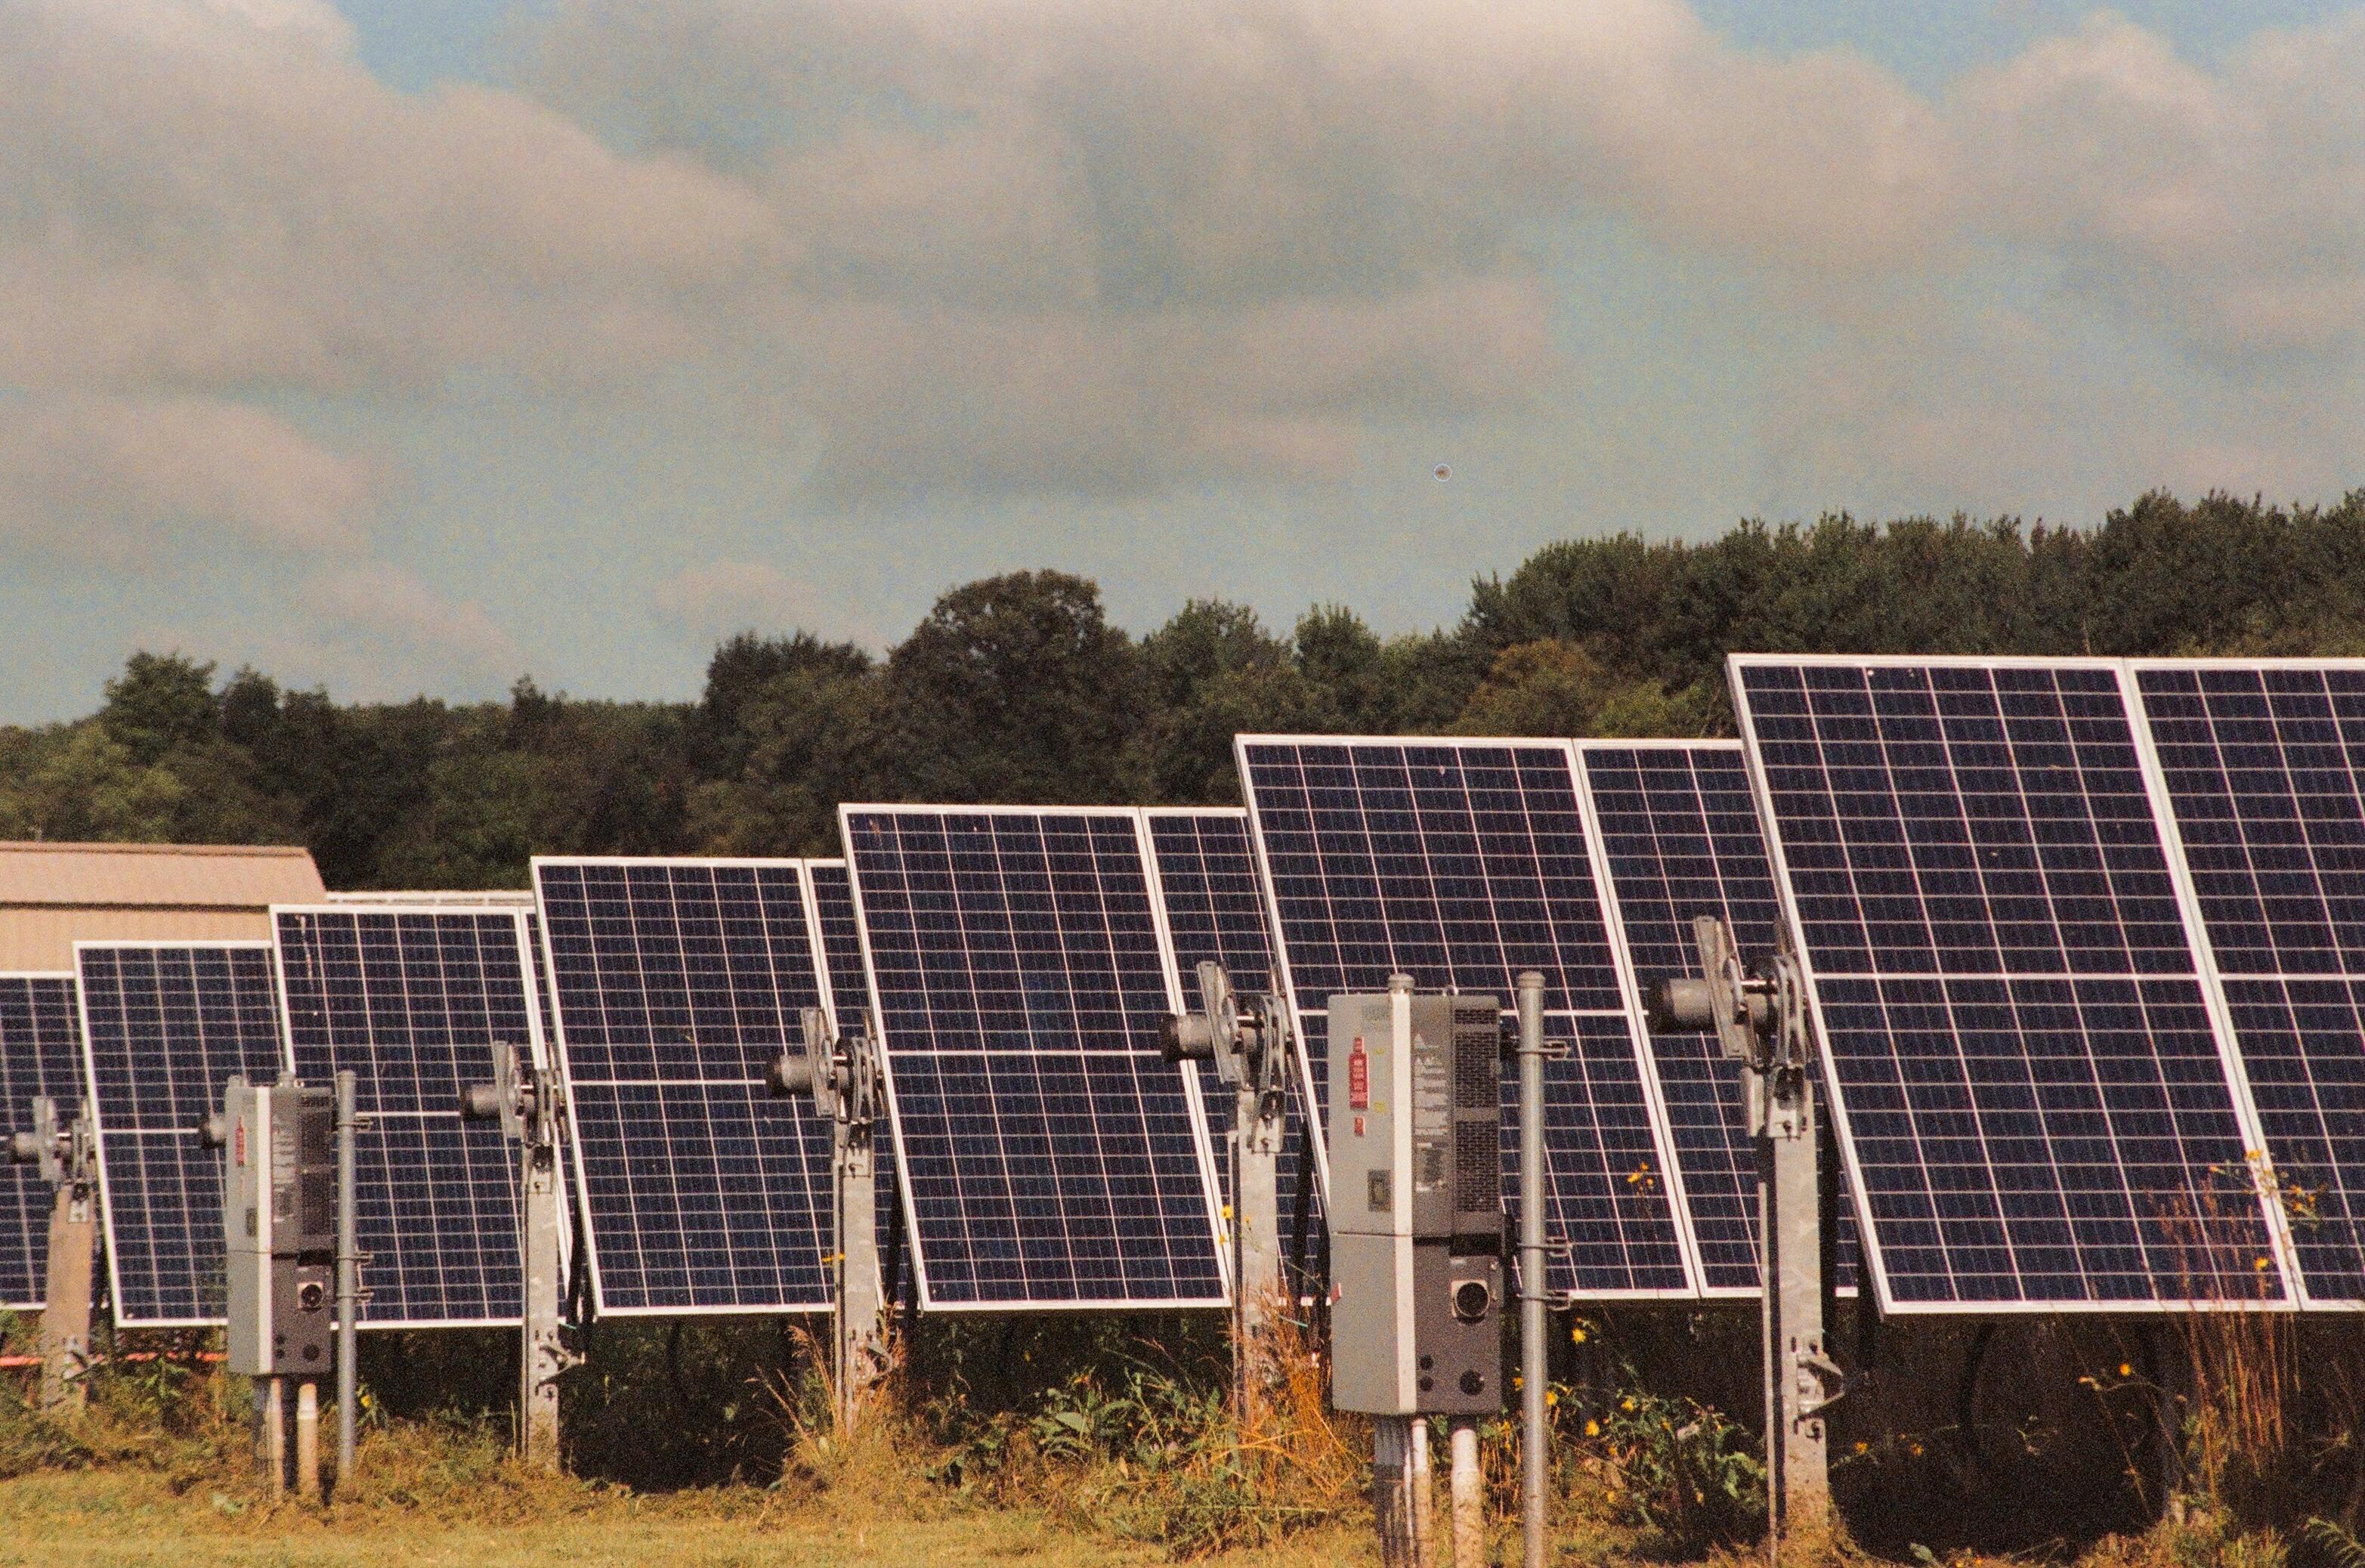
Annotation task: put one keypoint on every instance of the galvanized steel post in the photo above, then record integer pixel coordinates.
(1534, 1364)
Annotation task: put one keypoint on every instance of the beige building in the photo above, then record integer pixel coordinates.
(53, 895)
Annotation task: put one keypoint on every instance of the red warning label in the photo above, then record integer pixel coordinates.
(1359, 1077)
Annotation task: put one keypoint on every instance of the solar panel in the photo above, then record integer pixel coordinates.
(1208, 888)
(841, 942)
(40, 1053)
(2027, 1082)
(164, 1026)
(677, 982)
(1049, 1156)
(2262, 764)
(1462, 863)
(1680, 837)
(412, 999)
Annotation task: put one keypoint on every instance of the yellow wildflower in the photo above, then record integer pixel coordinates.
(2126, 1370)
(1593, 1429)
(1627, 1405)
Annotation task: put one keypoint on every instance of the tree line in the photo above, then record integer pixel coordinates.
(1017, 689)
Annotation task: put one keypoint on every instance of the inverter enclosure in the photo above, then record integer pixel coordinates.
(1416, 1210)
(279, 1223)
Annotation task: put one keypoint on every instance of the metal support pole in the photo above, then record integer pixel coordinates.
(1533, 1366)
(67, 1159)
(349, 1279)
(1393, 1501)
(541, 1355)
(860, 1349)
(271, 1440)
(65, 1312)
(308, 1440)
(1469, 1497)
(1424, 1495)
(1805, 1378)
(1256, 1233)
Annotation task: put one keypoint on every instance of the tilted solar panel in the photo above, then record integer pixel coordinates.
(1462, 863)
(1679, 836)
(1049, 1156)
(849, 1001)
(1208, 886)
(2262, 764)
(40, 1053)
(164, 1026)
(2027, 1079)
(412, 999)
(841, 940)
(677, 982)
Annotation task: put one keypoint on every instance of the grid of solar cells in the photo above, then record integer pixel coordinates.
(2265, 772)
(841, 940)
(1680, 838)
(677, 982)
(165, 1026)
(1214, 911)
(1050, 1158)
(2024, 1070)
(412, 1001)
(1462, 864)
(40, 1053)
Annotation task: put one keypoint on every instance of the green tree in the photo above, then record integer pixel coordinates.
(79, 783)
(159, 701)
(1014, 689)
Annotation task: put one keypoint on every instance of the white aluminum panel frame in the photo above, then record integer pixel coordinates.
(1871, 1261)
(65, 1112)
(2221, 1003)
(99, 1121)
(1211, 1186)
(1630, 1013)
(574, 1135)
(424, 905)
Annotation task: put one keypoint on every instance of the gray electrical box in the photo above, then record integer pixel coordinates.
(1416, 1209)
(279, 1224)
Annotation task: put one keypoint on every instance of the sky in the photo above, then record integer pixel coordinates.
(420, 345)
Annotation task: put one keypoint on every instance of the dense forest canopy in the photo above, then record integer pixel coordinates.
(1017, 689)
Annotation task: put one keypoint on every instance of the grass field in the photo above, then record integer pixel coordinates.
(88, 1518)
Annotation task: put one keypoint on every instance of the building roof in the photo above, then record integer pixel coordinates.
(53, 895)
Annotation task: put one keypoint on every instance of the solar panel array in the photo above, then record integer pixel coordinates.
(1679, 836)
(164, 1026)
(1462, 863)
(40, 1054)
(676, 984)
(2260, 766)
(413, 999)
(1049, 1156)
(2033, 1098)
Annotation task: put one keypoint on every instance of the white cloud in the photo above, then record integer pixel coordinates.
(135, 482)
(724, 597)
(388, 607)
(950, 251)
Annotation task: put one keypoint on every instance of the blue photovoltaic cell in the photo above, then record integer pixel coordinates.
(1215, 912)
(164, 1027)
(40, 1053)
(2025, 1071)
(676, 983)
(2264, 766)
(1680, 836)
(412, 1001)
(1462, 864)
(841, 940)
(1050, 1158)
